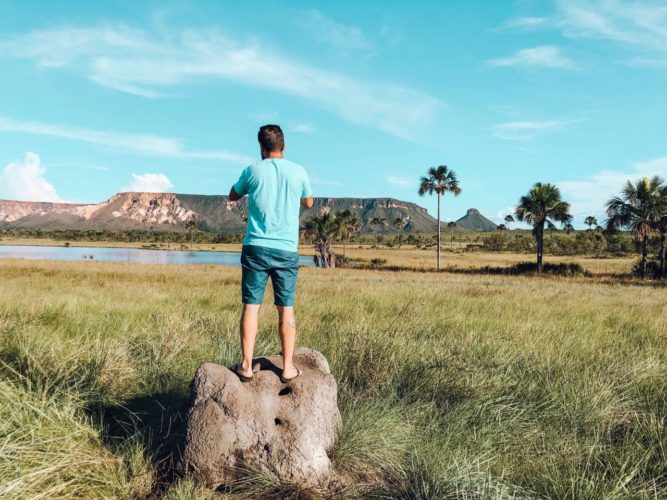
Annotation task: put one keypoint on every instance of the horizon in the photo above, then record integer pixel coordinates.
(168, 97)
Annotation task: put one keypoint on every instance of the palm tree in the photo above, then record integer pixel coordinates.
(439, 180)
(662, 229)
(324, 229)
(451, 225)
(501, 227)
(382, 222)
(639, 209)
(348, 225)
(590, 221)
(400, 223)
(542, 206)
(568, 227)
(191, 226)
(508, 220)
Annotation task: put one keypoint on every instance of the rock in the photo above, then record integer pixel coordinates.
(286, 429)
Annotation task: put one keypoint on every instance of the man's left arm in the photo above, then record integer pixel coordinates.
(306, 193)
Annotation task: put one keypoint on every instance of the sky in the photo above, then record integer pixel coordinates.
(101, 97)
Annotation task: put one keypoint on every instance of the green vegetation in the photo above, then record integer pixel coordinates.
(642, 209)
(541, 207)
(451, 385)
(439, 180)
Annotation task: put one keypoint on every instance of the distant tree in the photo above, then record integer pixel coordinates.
(502, 227)
(399, 224)
(568, 227)
(638, 209)
(191, 226)
(382, 222)
(541, 207)
(451, 225)
(439, 180)
(324, 229)
(590, 221)
(348, 225)
(508, 220)
(662, 229)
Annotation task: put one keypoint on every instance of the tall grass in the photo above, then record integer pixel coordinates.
(451, 385)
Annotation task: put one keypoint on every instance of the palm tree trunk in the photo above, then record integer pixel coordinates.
(644, 255)
(539, 235)
(663, 251)
(437, 262)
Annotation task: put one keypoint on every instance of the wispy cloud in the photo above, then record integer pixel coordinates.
(334, 33)
(303, 128)
(525, 23)
(400, 181)
(149, 183)
(641, 25)
(588, 196)
(25, 180)
(638, 23)
(544, 56)
(318, 181)
(136, 62)
(146, 144)
(528, 130)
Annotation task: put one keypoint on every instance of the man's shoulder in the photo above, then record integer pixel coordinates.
(296, 168)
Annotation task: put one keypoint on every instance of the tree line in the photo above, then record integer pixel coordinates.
(640, 209)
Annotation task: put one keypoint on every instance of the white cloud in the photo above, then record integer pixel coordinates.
(400, 181)
(525, 23)
(318, 181)
(642, 24)
(150, 183)
(588, 196)
(25, 181)
(334, 33)
(133, 61)
(528, 130)
(544, 56)
(304, 128)
(151, 145)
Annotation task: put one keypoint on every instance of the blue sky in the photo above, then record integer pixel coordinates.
(99, 97)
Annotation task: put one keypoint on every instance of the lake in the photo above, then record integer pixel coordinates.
(133, 255)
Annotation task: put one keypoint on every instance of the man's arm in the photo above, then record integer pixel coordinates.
(233, 195)
(306, 202)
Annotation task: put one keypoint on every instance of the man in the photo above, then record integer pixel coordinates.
(276, 189)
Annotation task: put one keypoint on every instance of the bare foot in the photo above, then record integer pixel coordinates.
(290, 373)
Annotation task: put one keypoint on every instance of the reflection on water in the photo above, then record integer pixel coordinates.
(135, 255)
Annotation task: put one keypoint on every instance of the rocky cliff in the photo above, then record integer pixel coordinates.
(168, 211)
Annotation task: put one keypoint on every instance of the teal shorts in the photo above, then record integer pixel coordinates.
(258, 264)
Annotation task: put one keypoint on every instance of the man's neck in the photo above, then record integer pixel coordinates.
(272, 155)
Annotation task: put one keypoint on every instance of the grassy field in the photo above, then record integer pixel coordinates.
(450, 385)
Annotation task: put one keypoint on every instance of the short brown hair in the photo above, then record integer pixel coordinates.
(271, 138)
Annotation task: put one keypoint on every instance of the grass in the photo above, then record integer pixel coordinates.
(451, 385)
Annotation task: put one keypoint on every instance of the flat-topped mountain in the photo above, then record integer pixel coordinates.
(171, 212)
(473, 220)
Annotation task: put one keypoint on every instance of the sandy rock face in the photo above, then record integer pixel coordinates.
(284, 428)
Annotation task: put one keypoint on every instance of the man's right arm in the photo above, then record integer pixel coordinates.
(307, 202)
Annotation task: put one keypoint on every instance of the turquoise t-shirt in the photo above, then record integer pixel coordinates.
(274, 187)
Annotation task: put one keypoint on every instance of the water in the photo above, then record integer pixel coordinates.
(134, 255)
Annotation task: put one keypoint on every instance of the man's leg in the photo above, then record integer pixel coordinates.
(249, 324)
(253, 284)
(287, 328)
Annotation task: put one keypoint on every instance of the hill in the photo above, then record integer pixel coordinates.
(473, 220)
(170, 212)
